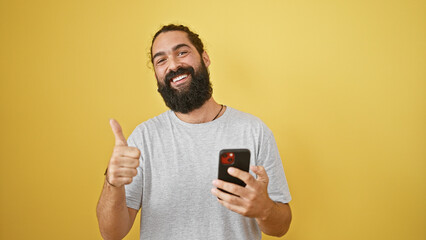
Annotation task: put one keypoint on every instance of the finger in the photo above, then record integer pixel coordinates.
(243, 175)
(120, 140)
(230, 187)
(127, 172)
(124, 151)
(261, 173)
(128, 162)
(235, 208)
(119, 181)
(122, 172)
(227, 197)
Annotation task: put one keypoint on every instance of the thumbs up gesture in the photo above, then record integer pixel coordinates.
(124, 160)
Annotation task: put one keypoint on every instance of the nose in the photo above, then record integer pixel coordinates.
(174, 64)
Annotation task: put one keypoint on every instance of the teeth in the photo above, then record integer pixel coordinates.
(179, 78)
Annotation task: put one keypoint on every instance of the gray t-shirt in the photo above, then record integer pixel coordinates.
(178, 163)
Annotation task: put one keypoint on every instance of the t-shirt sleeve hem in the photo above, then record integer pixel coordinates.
(133, 204)
(280, 199)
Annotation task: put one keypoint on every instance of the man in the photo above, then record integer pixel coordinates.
(168, 166)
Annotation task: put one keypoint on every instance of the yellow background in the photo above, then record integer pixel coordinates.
(342, 84)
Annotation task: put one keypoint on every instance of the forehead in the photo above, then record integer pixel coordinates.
(167, 40)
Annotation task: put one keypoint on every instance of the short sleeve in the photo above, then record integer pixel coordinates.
(269, 158)
(134, 189)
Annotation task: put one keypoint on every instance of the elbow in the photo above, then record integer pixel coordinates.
(279, 232)
(286, 225)
(282, 233)
(107, 235)
(276, 234)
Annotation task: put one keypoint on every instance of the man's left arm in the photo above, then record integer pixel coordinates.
(253, 201)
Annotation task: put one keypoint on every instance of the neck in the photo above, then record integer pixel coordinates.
(204, 114)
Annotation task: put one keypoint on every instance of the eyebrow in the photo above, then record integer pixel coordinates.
(174, 49)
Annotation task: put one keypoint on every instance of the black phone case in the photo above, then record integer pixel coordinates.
(242, 161)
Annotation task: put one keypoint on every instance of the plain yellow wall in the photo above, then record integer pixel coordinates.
(342, 84)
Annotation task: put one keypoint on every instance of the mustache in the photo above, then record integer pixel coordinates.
(180, 71)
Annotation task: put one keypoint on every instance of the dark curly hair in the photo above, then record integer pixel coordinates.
(193, 37)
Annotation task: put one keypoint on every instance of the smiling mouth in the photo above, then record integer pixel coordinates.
(180, 78)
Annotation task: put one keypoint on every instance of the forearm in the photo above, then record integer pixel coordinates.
(277, 222)
(112, 212)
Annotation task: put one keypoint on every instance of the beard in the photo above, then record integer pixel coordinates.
(190, 96)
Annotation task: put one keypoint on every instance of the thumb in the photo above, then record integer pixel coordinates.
(261, 173)
(120, 140)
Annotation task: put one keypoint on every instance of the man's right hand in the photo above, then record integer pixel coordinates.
(124, 160)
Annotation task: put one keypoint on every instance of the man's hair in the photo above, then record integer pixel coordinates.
(193, 37)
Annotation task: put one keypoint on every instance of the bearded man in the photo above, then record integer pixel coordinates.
(168, 166)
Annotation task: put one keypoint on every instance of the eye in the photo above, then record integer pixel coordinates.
(182, 53)
(160, 61)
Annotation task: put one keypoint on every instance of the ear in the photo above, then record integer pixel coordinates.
(206, 59)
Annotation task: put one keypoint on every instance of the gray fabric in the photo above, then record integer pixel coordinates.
(179, 161)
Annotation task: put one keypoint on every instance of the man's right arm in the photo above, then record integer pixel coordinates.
(114, 217)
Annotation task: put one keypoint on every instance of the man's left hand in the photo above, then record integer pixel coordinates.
(250, 201)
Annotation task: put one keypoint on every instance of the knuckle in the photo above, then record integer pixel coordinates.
(112, 172)
(136, 163)
(235, 188)
(226, 187)
(245, 212)
(133, 161)
(257, 187)
(226, 196)
(128, 180)
(111, 179)
(113, 160)
(232, 188)
(250, 205)
(232, 200)
(246, 178)
(116, 150)
(134, 150)
(251, 197)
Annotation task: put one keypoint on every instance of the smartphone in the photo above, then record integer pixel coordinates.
(238, 158)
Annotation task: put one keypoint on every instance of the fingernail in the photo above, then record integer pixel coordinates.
(214, 182)
(231, 170)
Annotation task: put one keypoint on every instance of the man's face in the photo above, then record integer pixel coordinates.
(182, 75)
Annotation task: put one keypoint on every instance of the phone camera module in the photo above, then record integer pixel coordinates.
(228, 158)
